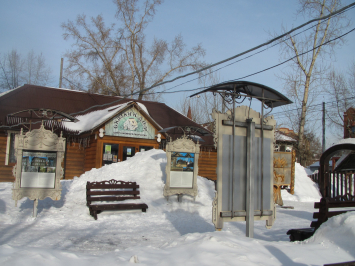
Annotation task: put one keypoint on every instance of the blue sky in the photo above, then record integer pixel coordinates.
(224, 28)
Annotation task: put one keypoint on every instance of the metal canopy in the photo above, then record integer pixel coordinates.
(187, 130)
(247, 89)
(44, 114)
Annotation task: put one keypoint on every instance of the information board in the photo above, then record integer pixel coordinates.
(38, 169)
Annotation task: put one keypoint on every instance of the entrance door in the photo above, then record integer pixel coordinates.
(128, 152)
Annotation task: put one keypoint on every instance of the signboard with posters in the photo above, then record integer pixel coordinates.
(181, 168)
(38, 171)
(130, 123)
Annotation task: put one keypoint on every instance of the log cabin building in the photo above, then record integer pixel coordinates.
(108, 129)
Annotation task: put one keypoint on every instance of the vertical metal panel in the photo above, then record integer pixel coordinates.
(250, 178)
(240, 173)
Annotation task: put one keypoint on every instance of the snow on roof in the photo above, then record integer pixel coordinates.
(143, 107)
(342, 158)
(93, 119)
(281, 137)
(6, 92)
(345, 141)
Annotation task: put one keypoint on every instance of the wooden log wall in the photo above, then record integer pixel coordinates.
(207, 164)
(90, 155)
(5, 170)
(74, 164)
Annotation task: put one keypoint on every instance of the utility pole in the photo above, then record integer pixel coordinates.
(323, 125)
(61, 72)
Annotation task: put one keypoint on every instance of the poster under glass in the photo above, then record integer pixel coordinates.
(182, 169)
(109, 153)
(38, 169)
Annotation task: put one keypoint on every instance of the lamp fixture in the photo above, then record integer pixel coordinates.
(101, 132)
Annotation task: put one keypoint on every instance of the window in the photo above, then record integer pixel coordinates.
(145, 148)
(110, 154)
(10, 147)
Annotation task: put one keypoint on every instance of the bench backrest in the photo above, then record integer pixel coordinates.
(111, 190)
(324, 213)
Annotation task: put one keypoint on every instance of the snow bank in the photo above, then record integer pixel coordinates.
(169, 233)
(148, 170)
(339, 229)
(305, 189)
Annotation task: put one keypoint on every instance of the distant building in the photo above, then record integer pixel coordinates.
(349, 123)
(285, 140)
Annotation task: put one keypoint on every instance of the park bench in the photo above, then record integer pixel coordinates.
(322, 216)
(108, 196)
(337, 187)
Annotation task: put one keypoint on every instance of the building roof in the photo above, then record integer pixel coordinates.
(281, 137)
(79, 103)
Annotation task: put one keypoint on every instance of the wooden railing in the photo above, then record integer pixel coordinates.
(339, 186)
(336, 185)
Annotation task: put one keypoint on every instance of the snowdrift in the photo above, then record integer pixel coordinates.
(305, 189)
(148, 170)
(169, 233)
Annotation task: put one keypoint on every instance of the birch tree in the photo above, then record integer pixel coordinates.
(302, 79)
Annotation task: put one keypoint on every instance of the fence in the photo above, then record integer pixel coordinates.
(337, 186)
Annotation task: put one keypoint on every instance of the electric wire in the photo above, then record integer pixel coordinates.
(235, 56)
(231, 58)
(282, 41)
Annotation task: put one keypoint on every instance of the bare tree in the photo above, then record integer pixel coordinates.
(16, 70)
(117, 59)
(96, 60)
(202, 105)
(36, 70)
(341, 88)
(11, 70)
(306, 70)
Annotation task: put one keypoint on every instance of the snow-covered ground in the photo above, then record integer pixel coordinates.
(169, 233)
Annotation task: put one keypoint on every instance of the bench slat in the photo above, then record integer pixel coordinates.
(336, 204)
(121, 206)
(113, 192)
(117, 198)
(93, 186)
(330, 213)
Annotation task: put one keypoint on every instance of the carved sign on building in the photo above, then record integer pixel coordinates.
(130, 123)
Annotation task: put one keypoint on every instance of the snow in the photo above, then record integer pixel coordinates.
(169, 233)
(93, 119)
(281, 137)
(141, 105)
(305, 189)
(346, 141)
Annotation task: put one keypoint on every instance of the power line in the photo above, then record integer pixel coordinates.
(250, 55)
(231, 58)
(250, 50)
(281, 112)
